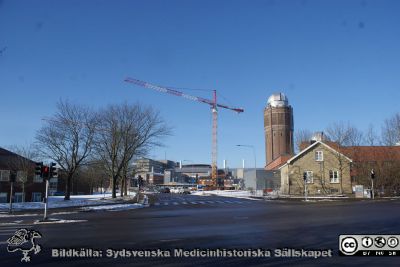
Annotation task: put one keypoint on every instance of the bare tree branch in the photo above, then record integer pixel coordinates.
(126, 131)
(67, 138)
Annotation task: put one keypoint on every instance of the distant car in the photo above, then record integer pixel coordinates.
(175, 190)
(165, 190)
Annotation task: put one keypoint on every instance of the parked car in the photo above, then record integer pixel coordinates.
(165, 190)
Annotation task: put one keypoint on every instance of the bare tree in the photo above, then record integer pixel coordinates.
(67, 138)
(300, 136)
(391, 130)
(370, 137)
(343, 135)
(126, 131)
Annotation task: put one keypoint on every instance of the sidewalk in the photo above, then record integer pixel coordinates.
(77, 202)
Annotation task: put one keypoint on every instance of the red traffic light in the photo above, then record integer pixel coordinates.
(45, 169)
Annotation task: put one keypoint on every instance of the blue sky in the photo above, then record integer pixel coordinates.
(335, 60)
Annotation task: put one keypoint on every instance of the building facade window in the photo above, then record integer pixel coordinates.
(4, 175)
(334, 177)
(309, 177)
(319, 156)
(36, 197)
(3, 197)
(19, 197)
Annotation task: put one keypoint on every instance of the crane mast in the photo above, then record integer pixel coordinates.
(214, 110)
(214, 143)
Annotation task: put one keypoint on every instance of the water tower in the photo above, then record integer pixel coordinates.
(278, 127)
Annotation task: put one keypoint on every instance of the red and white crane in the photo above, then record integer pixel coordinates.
(214, 109)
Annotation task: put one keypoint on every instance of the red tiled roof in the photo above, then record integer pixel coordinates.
(372, 153)
(278, 162)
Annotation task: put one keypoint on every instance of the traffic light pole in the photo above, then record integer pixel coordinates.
(47, 193)
(305, 186)
(373, 194)
(46, 199)
(11, 197)
(372, 183)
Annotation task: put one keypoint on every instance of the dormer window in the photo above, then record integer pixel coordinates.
(319, 156)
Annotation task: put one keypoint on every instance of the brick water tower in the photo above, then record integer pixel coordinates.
(278, 129)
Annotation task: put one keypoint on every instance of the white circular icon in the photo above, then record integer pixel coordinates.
(348, 245)
(393, 242)
(367, 242)
(380, 242)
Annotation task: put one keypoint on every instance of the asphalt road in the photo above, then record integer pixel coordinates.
(210, 222)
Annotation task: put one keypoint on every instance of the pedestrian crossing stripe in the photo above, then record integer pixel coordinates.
(199, 202)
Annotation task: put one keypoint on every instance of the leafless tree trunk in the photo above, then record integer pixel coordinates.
(67, 138)
(126, 131)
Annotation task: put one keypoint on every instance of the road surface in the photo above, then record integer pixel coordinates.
(190, 222)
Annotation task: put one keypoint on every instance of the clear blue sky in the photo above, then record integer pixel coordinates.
(336, 61)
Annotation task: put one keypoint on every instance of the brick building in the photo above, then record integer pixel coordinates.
(27, 186)
(278, 130)
(327, 171)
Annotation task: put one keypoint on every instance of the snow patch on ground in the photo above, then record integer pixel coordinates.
(226, 193)
(58, 221)
(114, 207)
(75, 201)
(17, 215)
(11, 223)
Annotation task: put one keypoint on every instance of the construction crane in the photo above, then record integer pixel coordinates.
(214, 110)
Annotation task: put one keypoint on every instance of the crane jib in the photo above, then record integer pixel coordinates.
(178, 93)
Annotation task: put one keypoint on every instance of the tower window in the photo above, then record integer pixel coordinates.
(319, 156)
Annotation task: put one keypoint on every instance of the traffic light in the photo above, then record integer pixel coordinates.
(13, 176)
(304, 176)
(372, 174)
(45, 172)
(38, 168)
(53, 170)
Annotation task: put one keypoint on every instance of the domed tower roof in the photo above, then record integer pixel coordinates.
(278, 100)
